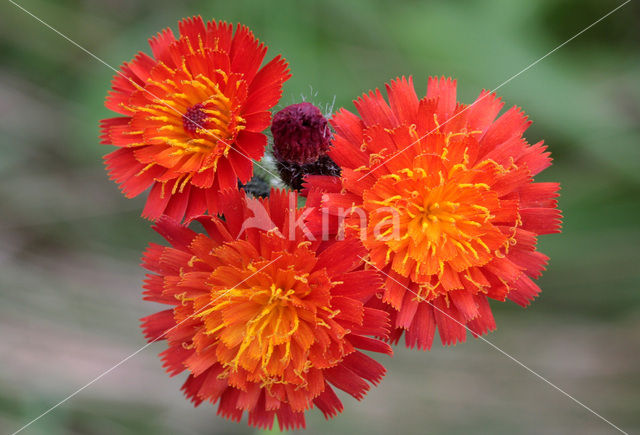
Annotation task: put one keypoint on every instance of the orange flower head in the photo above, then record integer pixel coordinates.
(263, 319)
(193, 117)
(442, 195)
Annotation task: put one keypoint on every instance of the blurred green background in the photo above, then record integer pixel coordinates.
(70, 243)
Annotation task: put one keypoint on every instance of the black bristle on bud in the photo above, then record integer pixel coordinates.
(258, 186)
(293, 174)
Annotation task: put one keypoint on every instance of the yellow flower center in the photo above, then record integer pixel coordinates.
(266, 325)
(189, 120)
(426, 221)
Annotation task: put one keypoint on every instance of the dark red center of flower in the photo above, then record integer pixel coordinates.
(300, 134)
(194, 119)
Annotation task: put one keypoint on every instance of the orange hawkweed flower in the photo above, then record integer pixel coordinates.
(442, 195)
(193, 116)
(264, 323)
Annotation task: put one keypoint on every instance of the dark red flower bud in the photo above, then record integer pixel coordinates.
(300, 134)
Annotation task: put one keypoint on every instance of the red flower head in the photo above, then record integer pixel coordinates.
(264, 320)
(193, 116)
(444, 200)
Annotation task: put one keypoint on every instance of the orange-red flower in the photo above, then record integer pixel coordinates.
(193, 116)
(442, 195)
(264, 320)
